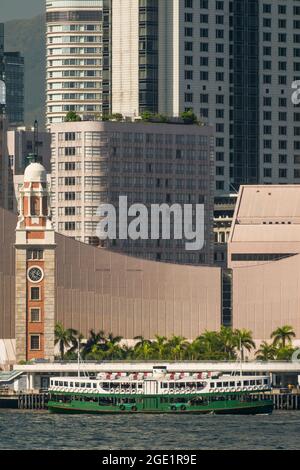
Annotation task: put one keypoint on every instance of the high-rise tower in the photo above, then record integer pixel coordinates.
(78, 58)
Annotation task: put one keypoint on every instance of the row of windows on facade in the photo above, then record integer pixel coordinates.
(221, 76)
(130, 152)
(133, 137)
(129, 167)
(74, 62)
(128, 181)
(179, 198)
(151, 197)
(74, 27)
(282, 173)
(267, 64)
(282, 23)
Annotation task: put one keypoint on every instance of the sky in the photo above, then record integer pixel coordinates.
(20, 9)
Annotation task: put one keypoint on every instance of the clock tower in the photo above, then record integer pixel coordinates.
(35, 269)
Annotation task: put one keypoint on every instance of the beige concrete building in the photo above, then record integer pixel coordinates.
(96, 162)
(264, 254)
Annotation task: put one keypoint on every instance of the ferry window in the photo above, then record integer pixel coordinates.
(258, 382)
(77, 384)
(239, 384)
(71, 384)
(82, 385)
(231, 384)
(88, 385)
(266, 381)
(94, 385)
(56, 383)
(61, 384)
(219, 384)
(246, 383)
(212, 385)
(252, 382)
(65, 384)
(140, 385)
(225, 384)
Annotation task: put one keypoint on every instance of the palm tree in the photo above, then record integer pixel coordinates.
(177, 346)
(244, 340)
(114, 351)
(95, 339)
(283, 335)
(144, 351)
(141, 341)
(64, 338)
(210, 341)
(228, 341)
(160, 345)
(266, 352)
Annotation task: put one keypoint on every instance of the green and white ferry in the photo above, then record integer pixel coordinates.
(161, 392)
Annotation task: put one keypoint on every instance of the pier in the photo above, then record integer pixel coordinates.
(39, 401)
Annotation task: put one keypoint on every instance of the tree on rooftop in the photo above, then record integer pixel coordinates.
(189, 117)
(72, 117)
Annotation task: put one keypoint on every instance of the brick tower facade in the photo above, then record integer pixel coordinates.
(35, 269)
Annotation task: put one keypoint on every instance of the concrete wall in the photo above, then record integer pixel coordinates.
(267, 296)
(107, 291)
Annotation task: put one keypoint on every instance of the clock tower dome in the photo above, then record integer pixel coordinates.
(35, 269)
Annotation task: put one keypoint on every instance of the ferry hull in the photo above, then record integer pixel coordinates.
(263, 407)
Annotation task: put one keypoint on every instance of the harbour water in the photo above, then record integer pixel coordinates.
(40, 430)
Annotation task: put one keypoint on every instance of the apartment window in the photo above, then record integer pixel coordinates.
(188, 46)
(282, 159)
(188, 17)
(70, 226)
(188, 3)
(204, 47)
(203, 75)
(35, 342)
(35, 315)
(188, 60)
(203, 18)
(188, 75)
(268, 172)
(188, 32)
(267, 8)
(282, 173)
(35, 293)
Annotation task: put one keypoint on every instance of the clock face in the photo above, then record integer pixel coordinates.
(35, 274)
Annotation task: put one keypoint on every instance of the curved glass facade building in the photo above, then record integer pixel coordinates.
(78, 51)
